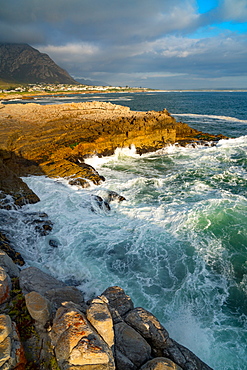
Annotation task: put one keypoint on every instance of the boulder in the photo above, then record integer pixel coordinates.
(9, 266)
(149, 327)
(123, 362)
(118, 300)
(5, 286)
(131, 344)
(183, 357)
(33, 279)
(99, 316)
(77, 344)
(160, 363)
(57, 296)
(38, 307)
(11, 351)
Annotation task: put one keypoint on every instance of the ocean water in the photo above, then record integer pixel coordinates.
(178, 243)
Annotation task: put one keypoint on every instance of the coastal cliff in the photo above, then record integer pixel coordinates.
(44, 323)
(53, 140)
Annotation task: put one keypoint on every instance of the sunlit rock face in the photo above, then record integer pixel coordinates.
(53, 140)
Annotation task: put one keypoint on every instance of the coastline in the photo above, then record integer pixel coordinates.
(24, 153)
(7, 96)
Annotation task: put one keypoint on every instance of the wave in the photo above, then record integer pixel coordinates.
(225, 118)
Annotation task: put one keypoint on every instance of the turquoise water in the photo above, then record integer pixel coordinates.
(177, 244)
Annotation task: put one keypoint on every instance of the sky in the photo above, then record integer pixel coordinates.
(160, 44)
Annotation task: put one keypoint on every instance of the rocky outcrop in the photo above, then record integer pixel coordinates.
(20, 63)
(53, 140)
(65, 332)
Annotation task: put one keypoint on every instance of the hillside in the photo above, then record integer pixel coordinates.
(21, 63)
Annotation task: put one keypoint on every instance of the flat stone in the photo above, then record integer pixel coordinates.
(10, 267)
(33, 279)
(38, 307)
(5, 285)
(131, 344)
(99, 316)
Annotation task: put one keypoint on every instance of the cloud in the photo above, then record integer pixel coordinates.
(105, 20)
(235, 10)
(141, 40)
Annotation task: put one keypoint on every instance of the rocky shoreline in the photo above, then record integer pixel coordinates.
(45, 324)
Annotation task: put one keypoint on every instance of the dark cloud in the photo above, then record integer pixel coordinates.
(128, 42)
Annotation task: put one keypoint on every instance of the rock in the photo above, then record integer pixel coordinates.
(11, 351)
(118, 300)
(99, 316)
(33, 279)
(77, 344)
(160, 363)
(79, 182)
(53, 243)
(99, 203)
(38, 307)
(57, 296)
(112, 195)
(123, 362)
(75, 173)
(5, 351)
(131, 344)
(149, 327)
(11, 184)
(5, 286)
(9, 266)
(5, 327)
(10, 251)
(183, 357)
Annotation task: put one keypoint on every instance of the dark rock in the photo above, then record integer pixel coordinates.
(183, 356)
(118, 300)
(112, 195)
(149, 327)
(99, 203)
(44, 228)
(40, 221)
(123, 362)
(33, 279)
(57, 296)
(6, 246)
(79, 182)
(131, 344)
(53, 243)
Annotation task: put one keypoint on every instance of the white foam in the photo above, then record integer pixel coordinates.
(210, 116)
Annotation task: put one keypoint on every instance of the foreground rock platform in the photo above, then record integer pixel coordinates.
(47, 325)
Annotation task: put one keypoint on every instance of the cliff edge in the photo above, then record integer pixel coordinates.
(53, 140)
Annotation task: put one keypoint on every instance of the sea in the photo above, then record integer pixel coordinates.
(177, 244)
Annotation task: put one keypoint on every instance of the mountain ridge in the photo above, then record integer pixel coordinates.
(21, 63)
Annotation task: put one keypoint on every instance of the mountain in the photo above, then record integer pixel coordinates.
(21, 63)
